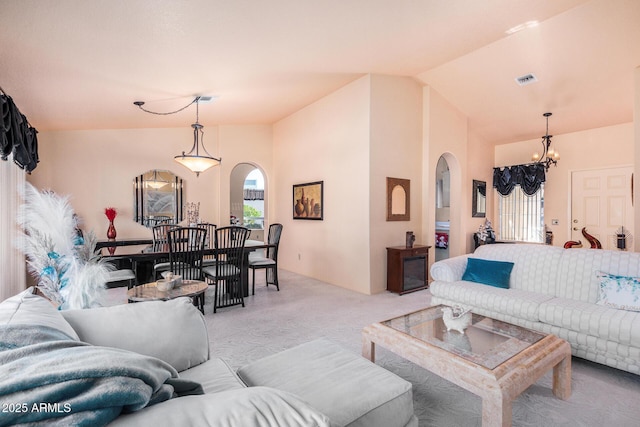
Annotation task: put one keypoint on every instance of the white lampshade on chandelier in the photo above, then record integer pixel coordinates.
(198, 158)
(549, 155)
(194, 160)
(157, 182)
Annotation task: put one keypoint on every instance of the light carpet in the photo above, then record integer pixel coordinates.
(306, 309)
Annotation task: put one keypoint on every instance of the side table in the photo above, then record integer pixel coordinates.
(407, 268)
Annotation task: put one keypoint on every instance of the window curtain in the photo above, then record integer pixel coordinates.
(17, 136)
(12, 261)
(528, 177)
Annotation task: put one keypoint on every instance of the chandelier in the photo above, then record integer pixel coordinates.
(197, 159)
(549, 155)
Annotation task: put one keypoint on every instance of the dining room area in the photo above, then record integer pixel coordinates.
(184, 254)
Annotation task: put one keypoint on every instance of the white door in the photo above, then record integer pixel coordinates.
(601, 201)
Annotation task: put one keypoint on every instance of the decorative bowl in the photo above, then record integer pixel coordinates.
(165, 285)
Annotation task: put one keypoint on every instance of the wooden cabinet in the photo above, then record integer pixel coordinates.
(407, 268)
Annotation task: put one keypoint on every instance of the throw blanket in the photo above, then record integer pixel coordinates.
(48, 378)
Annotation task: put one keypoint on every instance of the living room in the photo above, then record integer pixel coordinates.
(373, 124)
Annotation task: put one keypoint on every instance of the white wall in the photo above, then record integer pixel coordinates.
(96, 167)
(605, 147)
(396, 152)
(327, 141)
(636, 158)
(445, 134)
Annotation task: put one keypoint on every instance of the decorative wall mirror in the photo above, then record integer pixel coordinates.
(479, 199)
(157, 198)
(398, 199)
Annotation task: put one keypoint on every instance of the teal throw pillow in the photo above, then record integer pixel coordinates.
(493, 273)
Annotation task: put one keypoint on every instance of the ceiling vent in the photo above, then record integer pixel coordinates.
(526, 79)
(206, 99)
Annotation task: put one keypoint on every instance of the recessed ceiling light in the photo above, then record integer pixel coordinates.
(520, 27)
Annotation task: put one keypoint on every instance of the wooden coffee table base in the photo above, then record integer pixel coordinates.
(497, 387)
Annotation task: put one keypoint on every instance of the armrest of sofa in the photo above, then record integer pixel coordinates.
(449, 270)
(173, 331)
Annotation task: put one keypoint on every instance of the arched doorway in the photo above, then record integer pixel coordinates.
(443, 209)
(247, 199)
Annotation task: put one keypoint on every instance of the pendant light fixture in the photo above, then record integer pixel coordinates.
(198, 158)
(549, 155)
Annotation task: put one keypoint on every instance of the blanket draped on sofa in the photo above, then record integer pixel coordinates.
(47, 377)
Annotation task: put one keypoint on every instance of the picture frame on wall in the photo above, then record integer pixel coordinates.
(398, 199)
(308, 201)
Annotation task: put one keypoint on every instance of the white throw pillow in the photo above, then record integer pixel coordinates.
(26, 308)
(622, 292)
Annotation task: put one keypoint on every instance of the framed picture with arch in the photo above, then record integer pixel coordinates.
(398, 199)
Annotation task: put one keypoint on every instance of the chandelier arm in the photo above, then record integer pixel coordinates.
(545, 147)
(140, 104)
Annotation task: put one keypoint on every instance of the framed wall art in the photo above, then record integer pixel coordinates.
(398, 199)
(308, 200)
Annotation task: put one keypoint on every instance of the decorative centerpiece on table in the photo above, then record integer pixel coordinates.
(456, 318)
(65, 266)
(111, 214)
(193, 213)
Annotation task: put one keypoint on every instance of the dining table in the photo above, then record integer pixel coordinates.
(143, 256)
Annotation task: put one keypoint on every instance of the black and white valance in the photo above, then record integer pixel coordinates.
(529, 177)
(16, 135)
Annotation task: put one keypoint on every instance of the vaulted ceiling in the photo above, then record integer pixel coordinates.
(72, 64)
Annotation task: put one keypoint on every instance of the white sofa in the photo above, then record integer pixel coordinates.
(553, 290)
(330, 387)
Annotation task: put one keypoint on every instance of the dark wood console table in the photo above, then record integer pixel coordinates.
(407, 268)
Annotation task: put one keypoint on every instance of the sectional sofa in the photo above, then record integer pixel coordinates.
(589, 297)
(149, 364)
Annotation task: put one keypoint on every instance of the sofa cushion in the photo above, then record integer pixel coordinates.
(535, 266)
(173, 330)
(622, 292)
(577, 273)
(26, 308)
(214, 375)
(348, 388)
(254, 406)
(514, 302)
(591, 319)
(492, 273)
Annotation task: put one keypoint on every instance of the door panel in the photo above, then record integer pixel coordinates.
(601, 202)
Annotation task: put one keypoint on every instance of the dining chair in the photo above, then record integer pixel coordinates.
(209, 243)
(226, 273)
(160, 239)
(267, 260)
(121, 275)
(186, 246)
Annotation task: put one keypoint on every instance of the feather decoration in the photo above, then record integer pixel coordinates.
(66, 268)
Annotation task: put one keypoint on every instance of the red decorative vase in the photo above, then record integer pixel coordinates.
(111, 231)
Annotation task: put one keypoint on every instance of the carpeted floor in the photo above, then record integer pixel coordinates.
(305, 309)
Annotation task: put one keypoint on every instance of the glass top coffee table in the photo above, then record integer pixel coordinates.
(492, 359)
(150, 292)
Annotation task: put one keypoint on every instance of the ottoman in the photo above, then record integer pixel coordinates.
(349, 389)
